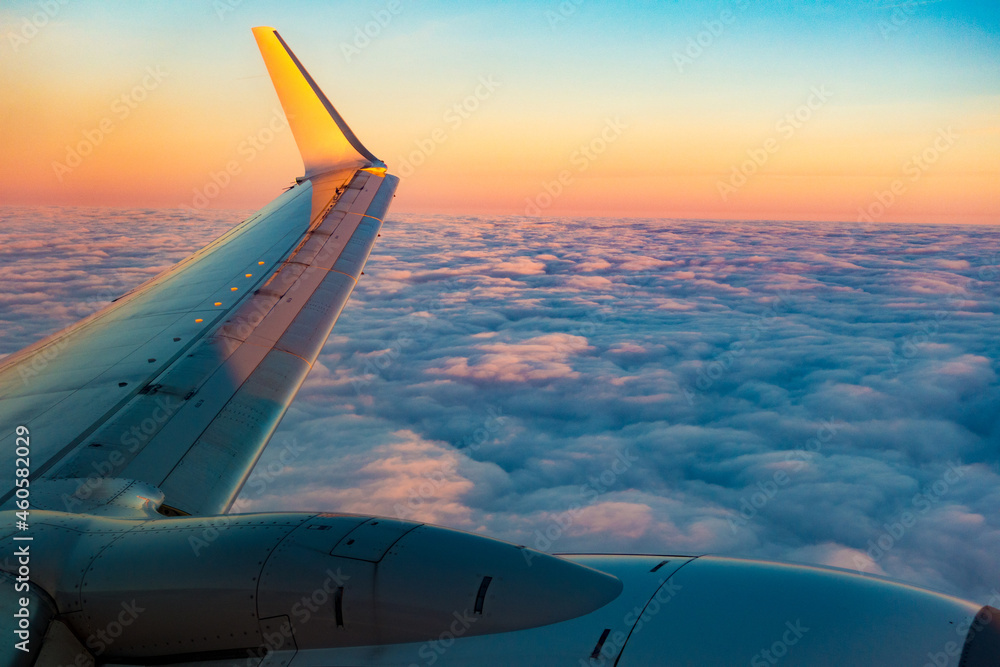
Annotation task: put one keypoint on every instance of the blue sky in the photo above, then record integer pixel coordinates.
(898, 72)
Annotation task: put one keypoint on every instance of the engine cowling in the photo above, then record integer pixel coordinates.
(273, 582)
(348, 589)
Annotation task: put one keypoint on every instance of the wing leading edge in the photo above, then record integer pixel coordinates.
(167, 397)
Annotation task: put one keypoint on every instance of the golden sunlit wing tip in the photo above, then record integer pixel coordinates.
(324, 139)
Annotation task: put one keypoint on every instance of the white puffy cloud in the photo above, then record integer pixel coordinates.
(775, 390)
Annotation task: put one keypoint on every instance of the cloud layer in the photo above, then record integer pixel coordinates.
(810, 392)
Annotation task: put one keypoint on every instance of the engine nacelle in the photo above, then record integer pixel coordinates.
(272, 582)
(26, 614)
(348, 589)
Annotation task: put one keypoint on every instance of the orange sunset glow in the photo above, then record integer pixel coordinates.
(843, 122)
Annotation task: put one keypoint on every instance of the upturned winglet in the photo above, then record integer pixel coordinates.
(324, 139)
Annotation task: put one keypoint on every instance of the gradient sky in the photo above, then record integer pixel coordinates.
(681, 122)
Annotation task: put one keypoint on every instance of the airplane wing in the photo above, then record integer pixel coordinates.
(166, 398)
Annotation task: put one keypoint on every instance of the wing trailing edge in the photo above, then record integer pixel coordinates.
(323, 137)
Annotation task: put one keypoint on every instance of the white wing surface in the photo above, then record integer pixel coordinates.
(166, 398)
